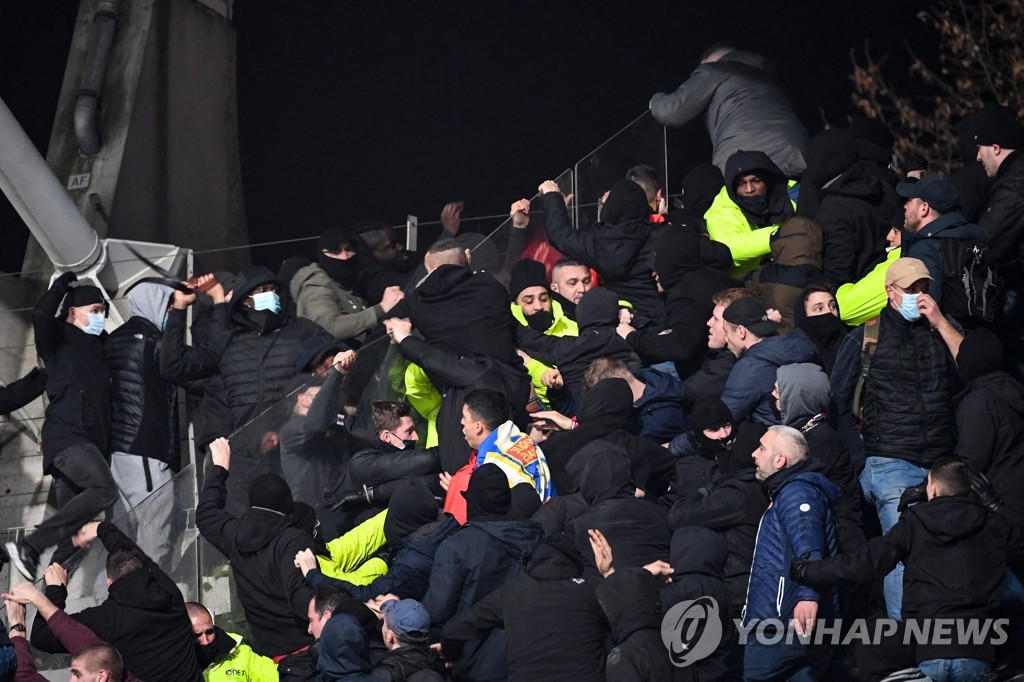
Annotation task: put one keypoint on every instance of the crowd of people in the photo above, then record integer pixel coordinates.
(794, 395)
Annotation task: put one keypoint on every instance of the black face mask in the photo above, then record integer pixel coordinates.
(712, 449)
(409, 445)
(344, 272)
(216, 651)
(540, 321)
(753, 205)
(774, 408)
(824, 330)
(264, 320)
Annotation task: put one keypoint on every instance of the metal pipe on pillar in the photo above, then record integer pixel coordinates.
(90, 92)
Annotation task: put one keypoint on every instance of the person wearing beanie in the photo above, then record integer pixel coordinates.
(990, 417)
(323, 291)
(261, 546)
(619, 248)
(76, 432)
(816, 311)
(750, 206)
(903, 419)
(414, 528)
(491, 550)
(1000, 139)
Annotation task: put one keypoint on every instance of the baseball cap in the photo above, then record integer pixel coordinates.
(937, 191)
(750, 313)
(905, 271)
(996, 124)
(407, 618)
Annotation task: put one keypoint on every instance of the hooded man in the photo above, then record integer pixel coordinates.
(261, 546)
(851, 205)
(77, 426)
(144, 421)
(490, 551)
(253, 345)
(323, 291)
(754, 201)
(990, 417)
(744, 107)
(223, 655)
(701, 185)
(554, 592)
(802, 394)
(689, 271)
(619, 248)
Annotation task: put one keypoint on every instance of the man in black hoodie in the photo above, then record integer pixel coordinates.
(252, 344)
(619, 247)
(261, 546)
(490, 551)
(553, 592)
(689, 270)
(77, 426)
(955, 552)
(851, 205)
(144, 616)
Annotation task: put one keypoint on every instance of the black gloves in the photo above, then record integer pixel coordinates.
(912, 495)
(65, 280)
(985, 493)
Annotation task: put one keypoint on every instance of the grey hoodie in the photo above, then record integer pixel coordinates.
(804, 392)
(150, 300)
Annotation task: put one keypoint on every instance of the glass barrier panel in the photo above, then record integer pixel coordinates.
(640, 142)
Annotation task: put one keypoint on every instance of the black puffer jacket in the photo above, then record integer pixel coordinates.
(144, 617)
(691, 272)
(635, 528)
(253, 352)
(620, 248)
(78, 380)
(409, 664)
(1002, 220)
(908, 409)
(261, 547)
(143, 415)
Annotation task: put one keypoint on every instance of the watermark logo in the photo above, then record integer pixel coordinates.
(691, 631)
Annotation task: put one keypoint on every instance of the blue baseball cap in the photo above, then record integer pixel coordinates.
(407, 618)
(935, 190)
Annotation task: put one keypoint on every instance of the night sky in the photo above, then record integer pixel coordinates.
(356, 109)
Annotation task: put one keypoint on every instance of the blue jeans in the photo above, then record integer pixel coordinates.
(883, 481)
(955, 669)
(794, 661)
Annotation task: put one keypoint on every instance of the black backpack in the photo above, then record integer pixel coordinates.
(971, 286)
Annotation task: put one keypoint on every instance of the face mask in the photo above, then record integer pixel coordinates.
(908, 309)
(408, 445)
(754, 205)
(266, 300)
(540, 321)
(823, 329)
(343, 272)
(95, 324)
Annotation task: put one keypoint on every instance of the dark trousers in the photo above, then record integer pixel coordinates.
(84, 489)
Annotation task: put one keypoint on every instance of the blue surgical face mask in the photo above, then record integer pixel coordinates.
(266, 300)
(95, 324)
(908, 308)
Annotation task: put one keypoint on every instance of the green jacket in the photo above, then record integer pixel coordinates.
(728, 225)
(424, 398)
(562, 326)
(350, 555)
(242, 665)
(861, 300)
(319, 298)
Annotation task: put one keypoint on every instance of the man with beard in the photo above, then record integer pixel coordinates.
(223, 655)
(323, 291)
(533, 307)
(753, 203)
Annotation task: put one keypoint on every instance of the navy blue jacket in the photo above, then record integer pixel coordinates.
(799, 521)
(659, 412)
(749, 388)
(409, 574)
(926, 246)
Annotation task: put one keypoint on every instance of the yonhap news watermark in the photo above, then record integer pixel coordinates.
(692, 630)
